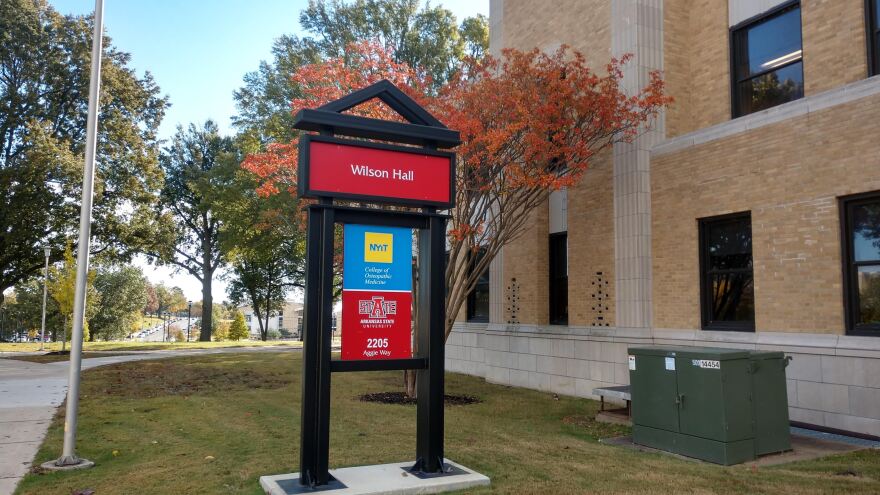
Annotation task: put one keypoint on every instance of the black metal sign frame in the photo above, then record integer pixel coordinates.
(430, 327)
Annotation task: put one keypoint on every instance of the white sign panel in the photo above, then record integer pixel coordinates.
(670, 364)
(632, 363)
(707, 364)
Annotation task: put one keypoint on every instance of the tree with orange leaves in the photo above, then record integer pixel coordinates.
(530, 123)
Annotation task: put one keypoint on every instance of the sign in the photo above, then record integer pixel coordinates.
(670, 364)
(632, 362)
(707, 364)
(366, 171)
(376, 292)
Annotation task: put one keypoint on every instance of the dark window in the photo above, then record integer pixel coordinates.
(726, 264)
(767, 67)
(559, 279)
(478, 299)
(862, 263)
(872, 11)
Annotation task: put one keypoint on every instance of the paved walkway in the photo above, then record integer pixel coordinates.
(31, 392)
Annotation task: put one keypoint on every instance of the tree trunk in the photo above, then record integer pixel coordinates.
(64, 335)
(207, 308)
(409, 376)
(409, 383)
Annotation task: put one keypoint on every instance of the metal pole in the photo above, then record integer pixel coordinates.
(45, 283)
(68, 454)
(188, 319)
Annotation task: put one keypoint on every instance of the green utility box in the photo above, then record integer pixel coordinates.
(721, 405)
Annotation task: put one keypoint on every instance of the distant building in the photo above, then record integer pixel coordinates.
(288, 321)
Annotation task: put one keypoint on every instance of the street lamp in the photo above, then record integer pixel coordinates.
(48, 251)
(188, 318)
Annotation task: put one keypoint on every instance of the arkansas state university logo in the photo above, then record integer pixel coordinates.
(377, 310)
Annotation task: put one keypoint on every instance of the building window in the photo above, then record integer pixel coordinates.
(280, 322)
(333, 323)
(559, 278)
(767, 66)
(872, 15)
(728, 297)
(247, 318)
(862, 263)
(478, 299)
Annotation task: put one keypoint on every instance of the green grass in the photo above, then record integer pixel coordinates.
(143, 346)
(151, 427)
(149, 321)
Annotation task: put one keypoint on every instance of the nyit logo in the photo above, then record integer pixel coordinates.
(377, 307)
(378, 247)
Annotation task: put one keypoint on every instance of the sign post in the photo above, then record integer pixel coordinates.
(377, 292)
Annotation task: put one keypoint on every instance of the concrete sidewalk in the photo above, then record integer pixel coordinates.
(31, 392)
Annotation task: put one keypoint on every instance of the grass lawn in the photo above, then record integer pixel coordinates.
(214, 424)
(144, 346)
(54, 358)
(150, 321)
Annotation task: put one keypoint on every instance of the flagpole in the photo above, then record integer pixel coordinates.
(68, 457)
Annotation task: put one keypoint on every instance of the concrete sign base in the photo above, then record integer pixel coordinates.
(387, 479)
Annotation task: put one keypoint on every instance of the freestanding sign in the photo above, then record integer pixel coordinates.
(376, 292)
(377, 296)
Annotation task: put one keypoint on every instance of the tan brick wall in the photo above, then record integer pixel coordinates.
(697, 67)
(834, 43)
(677, 65)
(585, 25)
(591, 247)
(789, 175)
(526, 267)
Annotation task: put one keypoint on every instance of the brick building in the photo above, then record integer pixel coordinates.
(748, 217)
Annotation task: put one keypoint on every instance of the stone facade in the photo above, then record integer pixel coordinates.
(788, 166)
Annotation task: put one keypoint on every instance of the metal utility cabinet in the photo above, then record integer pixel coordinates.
(721, 405)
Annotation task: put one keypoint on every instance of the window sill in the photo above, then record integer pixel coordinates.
(720, 327)
(803, 106)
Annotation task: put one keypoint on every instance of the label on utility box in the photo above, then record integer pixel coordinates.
(670, 364)
(707, 364)
(632, 363)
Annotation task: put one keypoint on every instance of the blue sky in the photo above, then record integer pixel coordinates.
(198, 51)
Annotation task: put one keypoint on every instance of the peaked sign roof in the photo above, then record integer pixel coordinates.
(423, 128)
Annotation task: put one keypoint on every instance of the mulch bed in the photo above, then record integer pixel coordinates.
(401, 398)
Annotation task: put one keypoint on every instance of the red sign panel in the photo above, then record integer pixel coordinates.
(376, 325)
(358, 170)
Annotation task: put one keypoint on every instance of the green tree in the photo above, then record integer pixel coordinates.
(191, 227)
(169, 299)
(123, 296)
(44, 80)
(62, 287)
(425, 38)
(238, 330)
(27, 304)
(264, 244)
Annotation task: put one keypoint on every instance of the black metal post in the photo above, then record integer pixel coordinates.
(430, 334)
(328, 230)
(315, 418)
